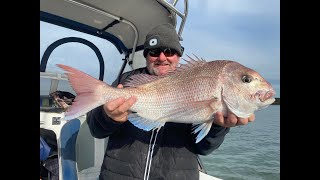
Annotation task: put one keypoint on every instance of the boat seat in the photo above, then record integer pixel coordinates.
(80, 154)
(67, 149)
(90, 153)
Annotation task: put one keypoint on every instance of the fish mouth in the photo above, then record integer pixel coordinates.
(267, 96)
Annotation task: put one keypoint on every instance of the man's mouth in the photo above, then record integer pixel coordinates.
(161, 64)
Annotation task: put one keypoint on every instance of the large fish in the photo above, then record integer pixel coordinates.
(190, 94)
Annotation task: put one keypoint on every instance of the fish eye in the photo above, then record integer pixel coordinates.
(246, 79)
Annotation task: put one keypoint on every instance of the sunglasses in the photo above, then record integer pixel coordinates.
(168, 52)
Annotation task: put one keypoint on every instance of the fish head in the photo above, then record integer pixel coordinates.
(245, 90)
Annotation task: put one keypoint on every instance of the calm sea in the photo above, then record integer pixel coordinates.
(250, 152)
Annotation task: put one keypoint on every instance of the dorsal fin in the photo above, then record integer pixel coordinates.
(191, 63)
(141, 79)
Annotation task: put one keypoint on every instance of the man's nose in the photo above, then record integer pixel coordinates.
(162, 57)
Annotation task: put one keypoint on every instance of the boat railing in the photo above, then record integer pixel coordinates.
(55, 78)
(183, 16)
(169, 5)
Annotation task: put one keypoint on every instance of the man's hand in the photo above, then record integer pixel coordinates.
(231, 120)
(117, 109)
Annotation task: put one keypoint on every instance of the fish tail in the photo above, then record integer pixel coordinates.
(88, 90)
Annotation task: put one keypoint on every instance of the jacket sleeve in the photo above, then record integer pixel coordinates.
(100, 124)
(212, 140)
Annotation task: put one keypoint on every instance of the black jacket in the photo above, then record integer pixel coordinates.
(174, 153)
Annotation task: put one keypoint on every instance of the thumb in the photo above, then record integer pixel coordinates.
(120, 86)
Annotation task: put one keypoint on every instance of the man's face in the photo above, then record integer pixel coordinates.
(162, 64)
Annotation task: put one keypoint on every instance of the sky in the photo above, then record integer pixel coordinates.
(246, 31)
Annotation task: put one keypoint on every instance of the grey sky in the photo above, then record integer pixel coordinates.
(247, 31)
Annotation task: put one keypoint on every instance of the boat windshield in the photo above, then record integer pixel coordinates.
(76, 54)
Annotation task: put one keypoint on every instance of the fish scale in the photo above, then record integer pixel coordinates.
(170, 98)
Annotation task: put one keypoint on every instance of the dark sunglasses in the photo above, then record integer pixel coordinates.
(168, 52)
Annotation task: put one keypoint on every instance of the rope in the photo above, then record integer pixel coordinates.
(150, 149)
(145, 169)
(155, 139)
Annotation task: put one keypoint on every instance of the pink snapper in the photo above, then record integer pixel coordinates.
(190, 94)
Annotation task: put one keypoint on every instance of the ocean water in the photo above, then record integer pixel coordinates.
(250, 152)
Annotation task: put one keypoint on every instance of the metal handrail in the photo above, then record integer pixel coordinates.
(183, 16)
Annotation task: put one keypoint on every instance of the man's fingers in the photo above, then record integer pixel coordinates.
(251, 118)
(123, 116)
(120, 86)
(114, 104)
(242, 121)
(231, 120)
(219, 119)
(126, 105)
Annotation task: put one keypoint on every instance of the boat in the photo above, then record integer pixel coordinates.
(124, 23)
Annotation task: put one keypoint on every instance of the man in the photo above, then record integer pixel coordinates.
(170, 153)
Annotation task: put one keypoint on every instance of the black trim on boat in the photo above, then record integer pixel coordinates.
(47, 53)
(53, 19)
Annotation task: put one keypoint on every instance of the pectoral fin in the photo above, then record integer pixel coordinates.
(143, 123)
(204, 129)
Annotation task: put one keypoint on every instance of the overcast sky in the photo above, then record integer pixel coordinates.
(246, 31)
